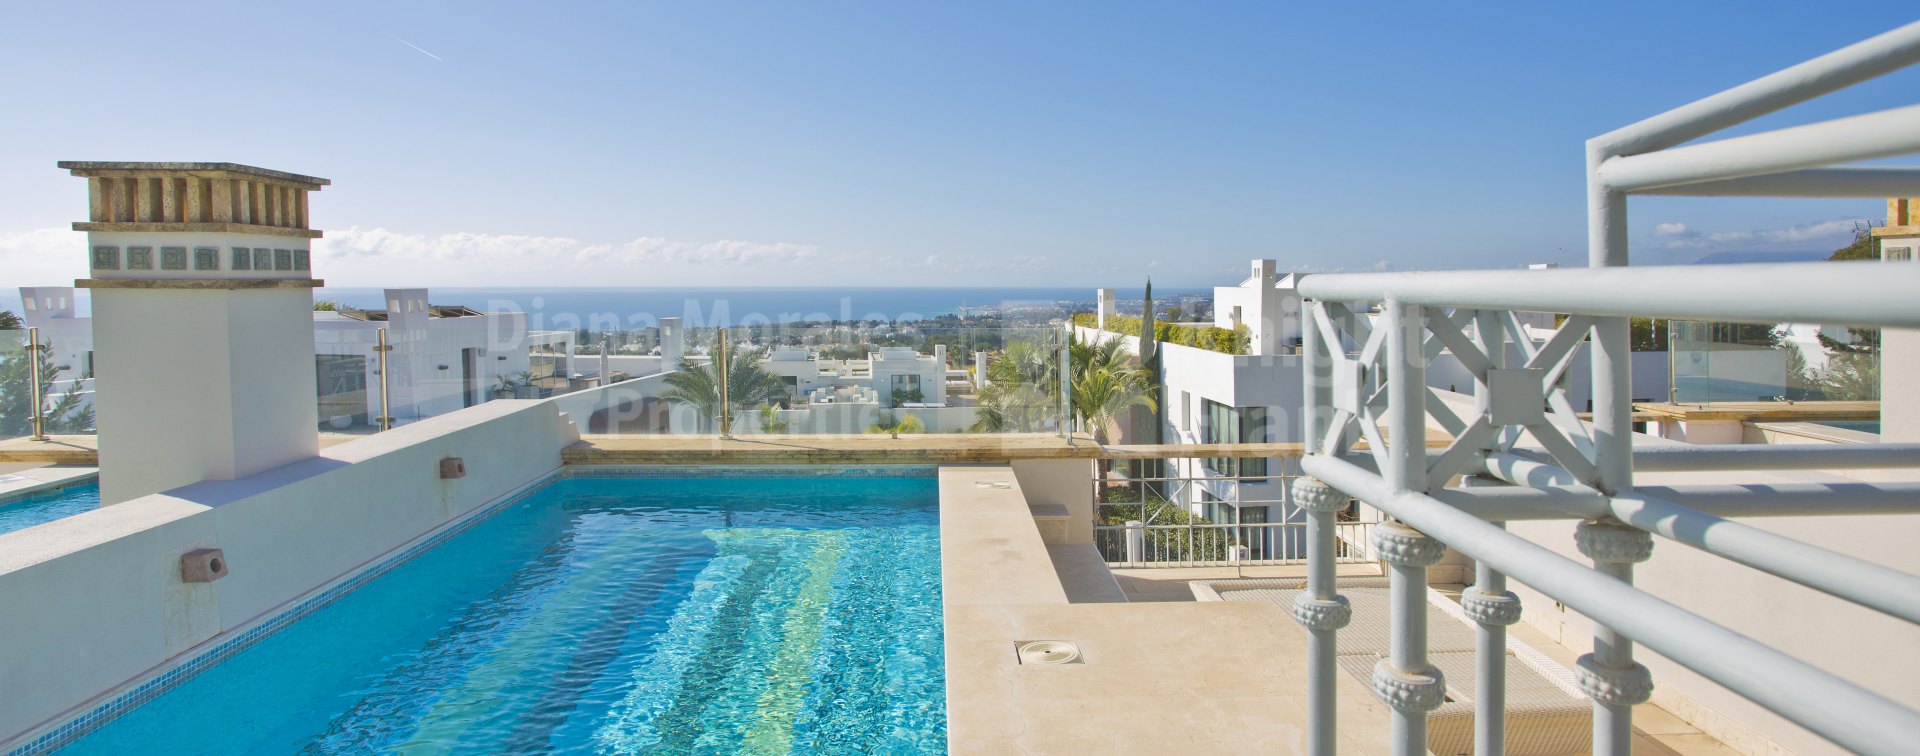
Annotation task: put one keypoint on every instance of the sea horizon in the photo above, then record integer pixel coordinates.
(707, 305)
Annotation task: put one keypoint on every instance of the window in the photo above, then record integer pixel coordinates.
(173, 258)
(906, 388)
(1897, 254)
(106, 258)
(242, 258)
(1221, 424)
(262, 259)
(139, 258)
(206, 258)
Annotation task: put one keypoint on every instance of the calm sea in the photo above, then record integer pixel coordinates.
(707, 306)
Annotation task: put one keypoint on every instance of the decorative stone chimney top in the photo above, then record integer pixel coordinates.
(196, 225)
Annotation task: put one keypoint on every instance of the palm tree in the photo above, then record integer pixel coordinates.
(908, 424)
(771, 423)
(1106, 385)
(748, 385)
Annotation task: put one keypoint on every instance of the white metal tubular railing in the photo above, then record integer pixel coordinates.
(1584, 471)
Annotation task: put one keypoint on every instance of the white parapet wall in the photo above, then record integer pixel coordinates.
(98, 600)
(626, 407)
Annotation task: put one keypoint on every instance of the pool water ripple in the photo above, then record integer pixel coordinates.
(736, 615)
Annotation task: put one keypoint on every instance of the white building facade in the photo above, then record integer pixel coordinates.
(443, 358)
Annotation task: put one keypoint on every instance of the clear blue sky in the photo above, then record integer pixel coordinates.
(905, 143)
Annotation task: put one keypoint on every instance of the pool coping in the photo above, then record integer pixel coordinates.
(66, 728)
(1001, 588)
(23, 484)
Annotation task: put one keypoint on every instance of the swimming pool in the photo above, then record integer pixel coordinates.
(759, 614)
(47, 506)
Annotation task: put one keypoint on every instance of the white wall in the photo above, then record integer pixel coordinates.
(1062, 482)
(104, 586)
(175, 406)
(624, 404)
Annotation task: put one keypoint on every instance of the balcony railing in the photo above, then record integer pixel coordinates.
(1530, 457)
(1158, 516)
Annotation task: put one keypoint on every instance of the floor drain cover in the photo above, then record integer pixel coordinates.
(1048, 652)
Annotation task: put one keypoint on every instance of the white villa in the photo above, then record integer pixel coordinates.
(444, 358)
(896, 376)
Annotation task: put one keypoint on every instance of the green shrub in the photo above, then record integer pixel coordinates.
(1210, 338)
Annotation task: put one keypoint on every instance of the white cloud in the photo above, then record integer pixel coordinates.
(42, 257)
(1819, 236)
(367, 257)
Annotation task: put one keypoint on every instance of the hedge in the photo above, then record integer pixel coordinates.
(1210, 338)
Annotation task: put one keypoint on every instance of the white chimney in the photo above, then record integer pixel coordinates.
(202, 321)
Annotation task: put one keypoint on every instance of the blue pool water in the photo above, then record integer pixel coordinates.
(762, 615)
(47, 506)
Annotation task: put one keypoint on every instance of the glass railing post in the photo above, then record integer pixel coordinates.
(726, 400)
(386, 410)
(38, 393)
(1066, 386)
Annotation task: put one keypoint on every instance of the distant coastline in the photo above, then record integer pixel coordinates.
(712, 304)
